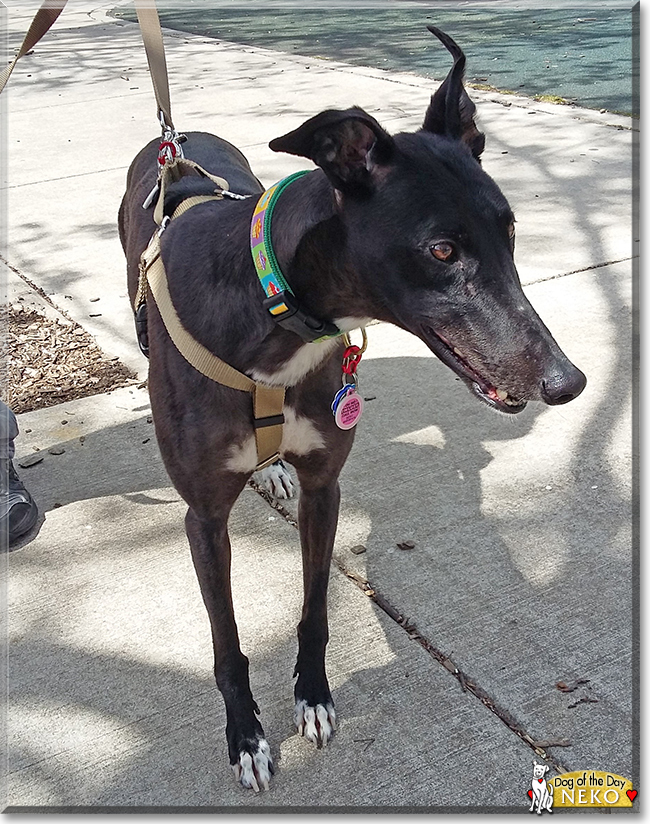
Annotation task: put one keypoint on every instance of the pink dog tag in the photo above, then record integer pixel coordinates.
(349, 411)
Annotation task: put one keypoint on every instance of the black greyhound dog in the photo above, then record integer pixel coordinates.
(406, 229)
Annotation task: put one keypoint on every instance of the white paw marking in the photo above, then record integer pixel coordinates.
(276, 480)
(253, 772)
(317, 724)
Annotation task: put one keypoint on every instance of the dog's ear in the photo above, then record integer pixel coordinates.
(451, 112)
(349, 146)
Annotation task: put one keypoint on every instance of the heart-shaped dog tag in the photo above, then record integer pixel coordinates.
(349, 410)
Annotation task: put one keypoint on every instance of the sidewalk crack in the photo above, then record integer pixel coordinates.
(38, 290)
(467, 684)
(584, 269)
(539, 746)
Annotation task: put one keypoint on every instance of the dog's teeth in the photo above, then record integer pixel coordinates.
(502, 394)
(458, 352)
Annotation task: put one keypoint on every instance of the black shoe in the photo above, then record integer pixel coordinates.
(18, 512)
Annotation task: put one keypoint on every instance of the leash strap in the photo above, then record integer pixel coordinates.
(41, 24)
(155, 51)
(151, 36)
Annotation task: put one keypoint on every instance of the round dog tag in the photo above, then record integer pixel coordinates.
(340, 395)
(349, 411)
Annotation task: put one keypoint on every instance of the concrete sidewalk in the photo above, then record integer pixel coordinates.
(522, 572)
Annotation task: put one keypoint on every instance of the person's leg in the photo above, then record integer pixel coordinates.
(18, 512)
(8, 432)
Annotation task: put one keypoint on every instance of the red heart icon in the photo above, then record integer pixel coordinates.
(631, 794)
(540, 780)
(530, 793)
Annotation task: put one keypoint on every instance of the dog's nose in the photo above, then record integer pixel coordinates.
(563, 386)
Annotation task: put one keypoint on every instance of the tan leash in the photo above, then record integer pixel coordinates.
(155, 51)
(41, 24)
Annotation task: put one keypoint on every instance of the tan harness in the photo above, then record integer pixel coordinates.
(268, 401)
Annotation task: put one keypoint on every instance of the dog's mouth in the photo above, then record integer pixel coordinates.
(485, 391)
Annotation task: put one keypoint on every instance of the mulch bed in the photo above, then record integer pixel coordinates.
(52, 361)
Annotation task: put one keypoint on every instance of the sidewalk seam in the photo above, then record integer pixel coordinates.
(40, 292)
(578, 271)
(467, 684)
(64, 177)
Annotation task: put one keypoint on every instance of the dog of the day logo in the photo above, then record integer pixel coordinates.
(541, 792)
(581, 789)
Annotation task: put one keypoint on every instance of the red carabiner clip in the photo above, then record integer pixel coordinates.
(166, 149)
(351, 358)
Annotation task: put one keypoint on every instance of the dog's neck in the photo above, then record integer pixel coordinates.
(309, 239)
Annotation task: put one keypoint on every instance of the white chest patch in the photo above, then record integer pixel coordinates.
(348, 324)
(299, 436)
(307, 358)
(242, 457)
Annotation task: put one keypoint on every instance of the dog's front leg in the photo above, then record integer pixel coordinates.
(317, 517)
(250, 755)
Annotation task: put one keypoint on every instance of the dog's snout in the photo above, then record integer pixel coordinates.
(563, 386)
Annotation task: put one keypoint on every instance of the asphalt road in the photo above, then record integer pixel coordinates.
(580, 54)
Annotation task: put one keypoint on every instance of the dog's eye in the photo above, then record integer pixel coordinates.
(442, 250)
(511, 231)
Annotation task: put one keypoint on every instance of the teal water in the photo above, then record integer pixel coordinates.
(582, 55)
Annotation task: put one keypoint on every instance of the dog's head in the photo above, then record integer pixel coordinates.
(539, 770)
(430, 238)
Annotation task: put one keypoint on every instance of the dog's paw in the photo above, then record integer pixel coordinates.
(254, 768)
(276, 480)
(317, 724)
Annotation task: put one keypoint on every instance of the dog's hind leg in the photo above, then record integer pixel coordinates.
(250, 755)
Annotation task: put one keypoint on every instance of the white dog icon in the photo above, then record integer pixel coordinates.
(542, 792)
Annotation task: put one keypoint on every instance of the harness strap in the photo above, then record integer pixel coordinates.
(268, 401)
(268, 420)
(171, 172)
